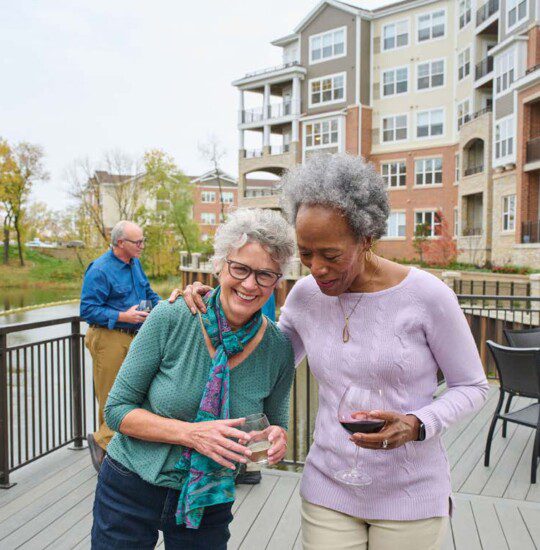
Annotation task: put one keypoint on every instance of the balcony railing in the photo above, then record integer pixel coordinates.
(253, 153)
(258, 114)
(279, 149)
(277, 110)
(273, 69)
(472, 231)
(484, 67)
(474, 170)
(533, 150)
(530, 232)
(486, 11)
(252, 115)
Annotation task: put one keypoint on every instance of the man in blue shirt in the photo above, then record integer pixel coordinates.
(112, 290)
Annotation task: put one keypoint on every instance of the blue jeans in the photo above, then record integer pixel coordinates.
(129, 512)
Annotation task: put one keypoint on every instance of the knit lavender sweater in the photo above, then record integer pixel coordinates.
(399, 337)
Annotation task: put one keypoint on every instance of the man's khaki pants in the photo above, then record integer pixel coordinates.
(108, 349)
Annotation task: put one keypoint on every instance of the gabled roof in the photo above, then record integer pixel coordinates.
(321, 5)
(213, 175)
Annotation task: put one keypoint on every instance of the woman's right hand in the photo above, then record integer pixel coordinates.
(192, 295)
(213, 439)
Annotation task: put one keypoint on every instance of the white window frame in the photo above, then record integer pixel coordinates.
(208, 197)
(320, 35)
(205, 220)
(431, 39)
(388, 117)
(456, 221)
(508, 211)
(464, 12)
(430, 113)
(505, 66)
(395, 170)
(506, 141)
(400, 217)
(331, 101)
(395, 24)
(457, 170)
(227, 197)
(426, 170)
(431, 62)
(514, 4)
(321, 122)
(463, 64)
(464, 116)
(394, 70)
(425, 211)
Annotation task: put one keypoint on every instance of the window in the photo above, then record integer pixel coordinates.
(396, 225)
(330, 89)
(430, 123)
(227, 197)
(322, 134)
(208, 196)
(208, 218)
(458, 165)
(464, 13)
(394, 128)
(431, 25)
(509, 213)
(456, 222)
(463, 113)
(327, 45)
(394, 174)
(517, 11)
(428, 172)
(504, 71)
(431, 220)
(430, 74)
(395, 81)
(395, 35)
(464, 63)
(504, 138)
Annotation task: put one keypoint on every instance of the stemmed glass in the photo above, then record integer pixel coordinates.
(358, 400)
(145, 305)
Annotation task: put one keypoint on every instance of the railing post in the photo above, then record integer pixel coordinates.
(450, 278)
(535, 290)
(4, 418)
(76, 385)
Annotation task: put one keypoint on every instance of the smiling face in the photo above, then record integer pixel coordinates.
(241, 299)
(330, 250)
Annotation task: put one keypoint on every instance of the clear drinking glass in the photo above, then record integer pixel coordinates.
(256, 425)
(145, 305)
(354, 400)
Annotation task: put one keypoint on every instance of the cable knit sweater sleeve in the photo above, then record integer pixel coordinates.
(453, 347)
(294, 306)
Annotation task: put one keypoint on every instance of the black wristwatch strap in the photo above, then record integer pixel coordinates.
(421, 432)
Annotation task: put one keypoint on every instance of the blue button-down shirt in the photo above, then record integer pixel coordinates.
(111, 286)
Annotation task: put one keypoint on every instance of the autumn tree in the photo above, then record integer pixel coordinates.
(212, 151)
(442, 251)
(8, 182)
(422, 232)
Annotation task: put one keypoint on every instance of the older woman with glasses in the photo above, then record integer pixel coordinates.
(183, 392)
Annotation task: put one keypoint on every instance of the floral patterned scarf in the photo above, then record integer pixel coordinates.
(206, 482)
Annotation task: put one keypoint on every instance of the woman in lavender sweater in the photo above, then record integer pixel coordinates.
(366, 321)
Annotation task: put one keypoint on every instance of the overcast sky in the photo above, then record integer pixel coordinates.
(80, 77)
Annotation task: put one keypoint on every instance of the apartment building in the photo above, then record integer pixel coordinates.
(431, 92)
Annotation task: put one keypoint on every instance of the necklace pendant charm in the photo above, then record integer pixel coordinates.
(346, 334)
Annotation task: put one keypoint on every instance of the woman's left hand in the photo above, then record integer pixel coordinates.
(278, 437)
(398, 430)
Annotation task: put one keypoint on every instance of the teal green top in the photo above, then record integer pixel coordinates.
(165, 372)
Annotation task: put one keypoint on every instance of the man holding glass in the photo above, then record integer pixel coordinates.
(115, 299)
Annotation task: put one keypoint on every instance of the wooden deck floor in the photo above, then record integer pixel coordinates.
(496, 507)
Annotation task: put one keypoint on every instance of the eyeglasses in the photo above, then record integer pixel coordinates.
(138, 243)
(263, 277)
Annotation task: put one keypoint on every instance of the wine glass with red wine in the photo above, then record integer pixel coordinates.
(358, 400)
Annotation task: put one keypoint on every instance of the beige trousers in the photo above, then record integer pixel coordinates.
(108, 349)
(325, 529)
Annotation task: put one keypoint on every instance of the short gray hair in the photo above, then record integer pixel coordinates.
(254, 225)
(343, 182)
(118, 231)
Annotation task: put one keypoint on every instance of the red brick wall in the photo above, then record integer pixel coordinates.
(367, 127)
(351, 131)
(533, 47)
(213, 207)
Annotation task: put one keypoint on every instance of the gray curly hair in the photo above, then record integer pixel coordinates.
(343, 182)
(246, 225)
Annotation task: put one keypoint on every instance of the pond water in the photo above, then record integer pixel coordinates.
(12, 298)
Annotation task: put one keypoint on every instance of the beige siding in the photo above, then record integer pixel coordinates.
(504, 106)
(365, 56)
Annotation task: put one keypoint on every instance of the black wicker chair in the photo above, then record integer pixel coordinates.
(525, 338)
(519, 374)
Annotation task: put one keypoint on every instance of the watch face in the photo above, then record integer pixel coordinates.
(421, 432)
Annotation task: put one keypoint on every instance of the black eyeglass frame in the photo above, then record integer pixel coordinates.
(257, 272)
(138, 243)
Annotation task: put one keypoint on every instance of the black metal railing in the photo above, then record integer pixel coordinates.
(530, 231)
(487, 287)
(533, 149)
(44, 402)
(486, 11)
(474, 170)
(471, 231)
(484, 67)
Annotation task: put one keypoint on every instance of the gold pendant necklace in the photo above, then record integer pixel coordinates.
(346, 335)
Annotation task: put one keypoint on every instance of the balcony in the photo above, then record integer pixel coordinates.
(274, 69)
(472, 231)
(533, 150)
(273, 112)
(273, 150)
(474, 170)
(530, 232)
(253, 153)
(486, 11)
(484, 67)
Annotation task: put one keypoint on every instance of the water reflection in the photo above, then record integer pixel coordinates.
(12, 298)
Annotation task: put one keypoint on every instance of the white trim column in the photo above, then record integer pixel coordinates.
(241, 139)
(266, 100)
(240, 106)
(296, 96)
(341, 136)
(266, 136)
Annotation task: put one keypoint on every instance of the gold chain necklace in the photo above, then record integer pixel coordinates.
(346, 335)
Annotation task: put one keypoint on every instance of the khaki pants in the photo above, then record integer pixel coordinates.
(108, 349)
(325, 529)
